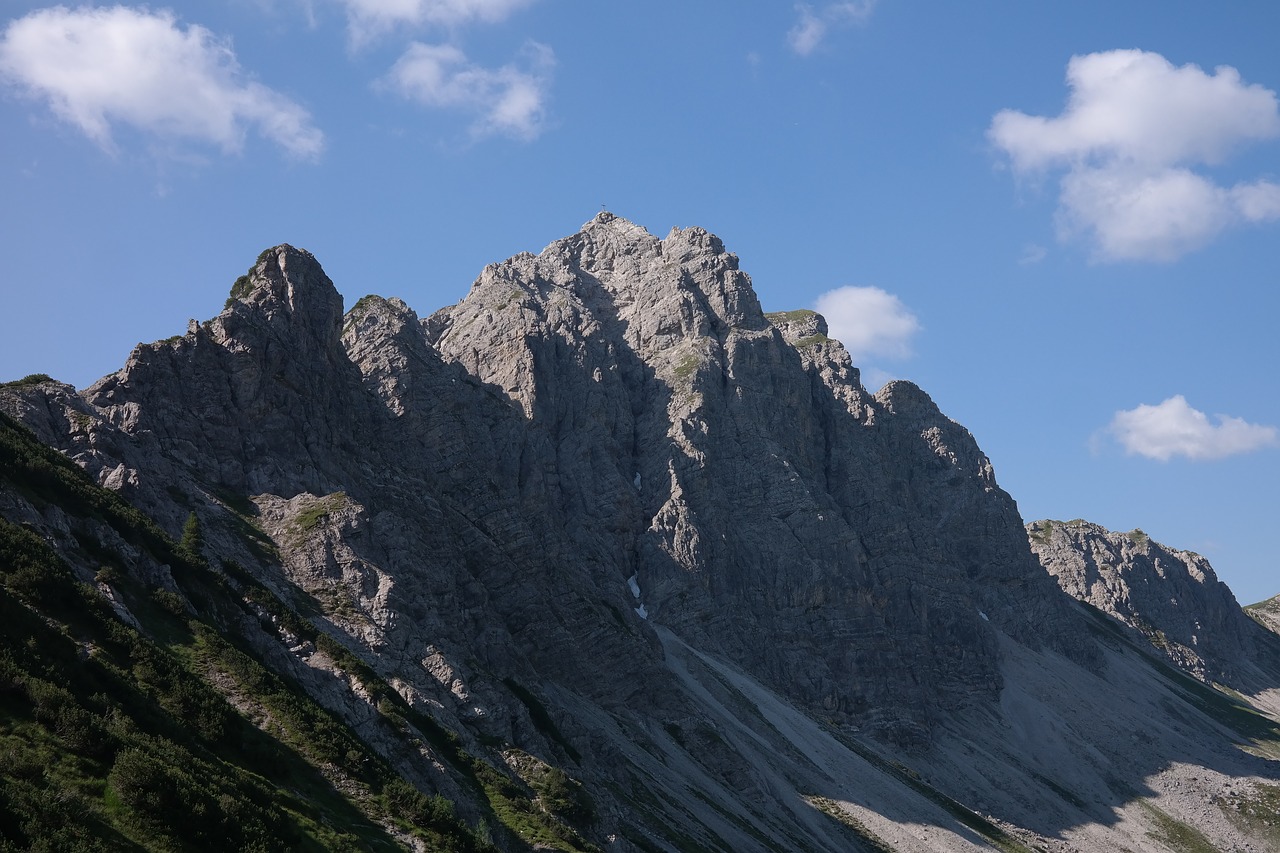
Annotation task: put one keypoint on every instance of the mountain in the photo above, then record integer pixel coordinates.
(1171, 597)
(1266, 613)
(602, 557)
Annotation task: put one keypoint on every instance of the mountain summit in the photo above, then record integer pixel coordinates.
(609, 558)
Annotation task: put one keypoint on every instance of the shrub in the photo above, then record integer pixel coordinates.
(29, 379)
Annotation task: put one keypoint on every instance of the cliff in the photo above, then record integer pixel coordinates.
(1173, 598)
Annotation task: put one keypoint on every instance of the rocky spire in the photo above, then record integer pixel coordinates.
(263, 388)
(286, 295)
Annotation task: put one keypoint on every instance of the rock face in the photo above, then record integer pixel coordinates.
(606, 515)
(757, 494)
(1266, 613)
(1172, 597)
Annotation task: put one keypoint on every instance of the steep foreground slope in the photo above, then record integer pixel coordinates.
(608, 559)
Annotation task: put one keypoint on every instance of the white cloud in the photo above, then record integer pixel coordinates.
(510, 101)
(1173, 428)
(370, 18)
(868, 321)
(1133, 129)
(102, 67)
(813, 25)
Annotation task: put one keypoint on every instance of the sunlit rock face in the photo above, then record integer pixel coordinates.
(844, 546)
(1172, 597)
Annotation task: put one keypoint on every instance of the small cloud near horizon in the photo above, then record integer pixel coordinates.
(1132, 145)
(100, 68)
(1174, 428)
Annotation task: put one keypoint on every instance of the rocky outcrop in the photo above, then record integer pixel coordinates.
(1172, 597)
(1266, 613)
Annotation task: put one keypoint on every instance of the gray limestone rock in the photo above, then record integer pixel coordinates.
(1266, 613)
(853, 550)
(1172, 597)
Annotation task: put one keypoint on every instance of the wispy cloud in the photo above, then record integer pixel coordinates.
(812, 25)
(97, 68)
(507, 101)
(1130, 142)
(1173, 428)
(368, 19)
(1032, 254)
(869, 322)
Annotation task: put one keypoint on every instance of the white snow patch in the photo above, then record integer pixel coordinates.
(637, 481)
(984, 616)
(635, 586)
(641, 612)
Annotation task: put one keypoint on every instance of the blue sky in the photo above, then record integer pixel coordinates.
(1061, 220)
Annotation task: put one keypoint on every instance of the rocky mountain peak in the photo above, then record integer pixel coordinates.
(269, 371)
(287, 294)
(1170, 596)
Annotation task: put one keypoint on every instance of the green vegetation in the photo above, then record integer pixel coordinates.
(47, 477)
(868, 839)
(1253, 727)
(243, 285)
(29, 379)
(240, 288)
(359, 310)
(512, 807)
(192, 543)
(813, 340)
(116, 738)
(153, 757)
(687, 366)
(311, 517)
(1257, 813)
(1174, 834)
(1042, 531)
(776, 317)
